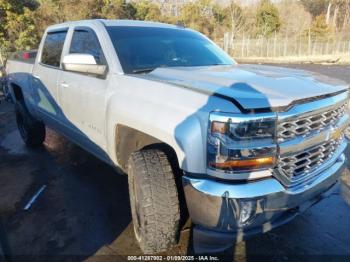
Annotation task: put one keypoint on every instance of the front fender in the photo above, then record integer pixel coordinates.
(174, 115)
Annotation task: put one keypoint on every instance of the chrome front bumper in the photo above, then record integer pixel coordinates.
(224, 213)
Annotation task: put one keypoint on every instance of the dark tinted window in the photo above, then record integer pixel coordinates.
(52, 50)
(86, 42)
(141, 48)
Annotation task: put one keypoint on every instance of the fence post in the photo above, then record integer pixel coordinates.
(231, 44)
(323, 48)
(285, 46)
(274, 45)
(248, 46)
(309, 43)
(338, 47)
(226, 41)
(242, 47)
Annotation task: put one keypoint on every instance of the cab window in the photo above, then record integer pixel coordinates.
(86, 42)
(52, 49)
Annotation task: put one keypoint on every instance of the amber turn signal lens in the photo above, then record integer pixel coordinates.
(218, 127)
(245, 164)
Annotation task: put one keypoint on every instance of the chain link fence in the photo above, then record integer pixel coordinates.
(278, 46)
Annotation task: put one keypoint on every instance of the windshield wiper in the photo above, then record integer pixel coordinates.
(143, 70)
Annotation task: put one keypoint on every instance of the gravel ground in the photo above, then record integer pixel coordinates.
(83, 213)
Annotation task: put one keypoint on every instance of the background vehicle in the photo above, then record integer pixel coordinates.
(253, 145)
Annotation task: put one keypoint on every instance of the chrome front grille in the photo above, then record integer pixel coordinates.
(307, 161)
(303, 126)
(310, 139)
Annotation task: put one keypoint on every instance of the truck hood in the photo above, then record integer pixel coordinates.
(251, 86)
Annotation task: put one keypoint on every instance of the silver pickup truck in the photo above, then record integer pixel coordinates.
(247, 146)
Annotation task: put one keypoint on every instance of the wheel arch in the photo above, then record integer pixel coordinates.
(16, 92)
(129, 140)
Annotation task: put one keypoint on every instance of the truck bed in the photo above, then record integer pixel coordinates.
(21, 62)
(19, 69)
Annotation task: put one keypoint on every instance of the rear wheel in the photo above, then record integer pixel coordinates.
(154, 200)
(32, 131)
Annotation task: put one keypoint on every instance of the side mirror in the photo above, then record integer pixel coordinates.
(83, 63)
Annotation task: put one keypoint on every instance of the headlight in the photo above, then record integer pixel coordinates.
(239, 144)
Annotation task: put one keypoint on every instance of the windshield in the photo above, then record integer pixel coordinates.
(142, 49)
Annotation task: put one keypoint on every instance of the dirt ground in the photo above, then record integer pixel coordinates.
(83, 212)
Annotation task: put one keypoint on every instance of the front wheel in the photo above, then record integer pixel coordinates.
(154, 200)
(32, 131)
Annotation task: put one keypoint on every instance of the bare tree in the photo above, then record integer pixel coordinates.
(346, 16)
(335, 16)
(236, 19)
(328, 12)
(290, 25)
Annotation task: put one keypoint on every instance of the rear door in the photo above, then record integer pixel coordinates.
(46, 73)
(83, 96)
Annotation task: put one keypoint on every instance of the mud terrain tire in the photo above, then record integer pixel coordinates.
(154, 200)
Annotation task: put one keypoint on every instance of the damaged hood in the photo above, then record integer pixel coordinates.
(252, 86)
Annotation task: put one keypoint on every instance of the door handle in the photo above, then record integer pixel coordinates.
(36, 77)
(64, 84)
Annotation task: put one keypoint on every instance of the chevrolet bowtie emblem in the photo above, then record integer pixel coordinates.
(336, 134)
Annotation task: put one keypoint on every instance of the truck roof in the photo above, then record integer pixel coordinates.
(108, 22)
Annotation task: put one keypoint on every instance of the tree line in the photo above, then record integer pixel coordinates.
(23, 22)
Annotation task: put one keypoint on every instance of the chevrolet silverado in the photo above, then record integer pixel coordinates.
(247, 146)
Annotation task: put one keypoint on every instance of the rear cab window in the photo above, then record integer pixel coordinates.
(52, 49)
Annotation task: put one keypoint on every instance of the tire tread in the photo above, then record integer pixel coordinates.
(160, 203)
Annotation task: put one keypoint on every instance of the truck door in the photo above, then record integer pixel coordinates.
(83, 96)
(45, 73)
